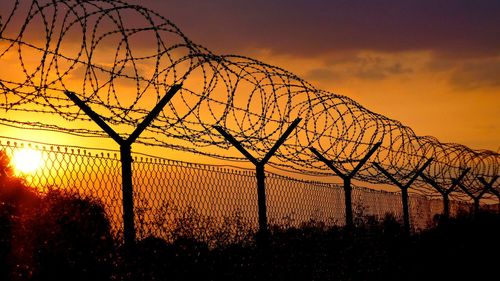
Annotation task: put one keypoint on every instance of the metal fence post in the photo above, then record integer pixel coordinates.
(126, 154)
(489, 187)
(475, 198)
(404, 191)
(127, 193)
(348, 203)
(445, 192)
(260, 172)
(349, 220)
(406, 211)
(261, 194)
(446, 205)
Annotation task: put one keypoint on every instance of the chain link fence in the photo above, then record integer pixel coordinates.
(207, 202)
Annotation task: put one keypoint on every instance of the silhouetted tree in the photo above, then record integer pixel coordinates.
(73, 239)
(16, 200)
(54, 236)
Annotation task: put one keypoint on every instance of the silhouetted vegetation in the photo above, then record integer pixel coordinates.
(60, 236)
(51, 236)
(462, 248)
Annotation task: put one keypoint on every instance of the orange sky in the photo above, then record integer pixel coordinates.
(432, 66)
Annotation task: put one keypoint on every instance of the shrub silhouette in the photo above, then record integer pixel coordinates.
(16, 200)
(458, 248)
(72, 239)
(53, 236)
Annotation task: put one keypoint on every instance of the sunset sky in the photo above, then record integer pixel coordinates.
(163, 121)
(433, 65)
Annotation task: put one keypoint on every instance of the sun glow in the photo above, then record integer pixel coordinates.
(26, 160)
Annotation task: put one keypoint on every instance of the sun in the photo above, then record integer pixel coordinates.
(27, 160)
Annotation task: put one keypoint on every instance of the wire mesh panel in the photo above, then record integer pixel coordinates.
(174, 198)
(87, 173)
(460, 207)
(208, 202)
(421, 213)
(291, 202)
(376, 203)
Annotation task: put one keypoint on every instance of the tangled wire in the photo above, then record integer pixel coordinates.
(121, 58)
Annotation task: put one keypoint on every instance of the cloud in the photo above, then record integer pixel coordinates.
(77, 28)
(450, 28)
(323, 74)
(362, 66)
(476, 75)
(379, 71)
(302, 27)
